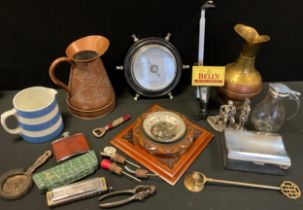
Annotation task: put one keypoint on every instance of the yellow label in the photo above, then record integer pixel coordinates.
(208, 75)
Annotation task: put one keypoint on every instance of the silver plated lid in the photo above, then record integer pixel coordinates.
(282, 90)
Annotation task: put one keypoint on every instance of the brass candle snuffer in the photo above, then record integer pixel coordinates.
(196, 181)
(242, 80)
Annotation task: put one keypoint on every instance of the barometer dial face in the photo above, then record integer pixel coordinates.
(164, 127)
(153, 67)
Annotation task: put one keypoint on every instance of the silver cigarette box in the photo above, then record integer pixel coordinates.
(255, 151)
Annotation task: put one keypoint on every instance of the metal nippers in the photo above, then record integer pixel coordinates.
(138, 193)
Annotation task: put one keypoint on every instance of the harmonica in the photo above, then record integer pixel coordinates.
(76, 191)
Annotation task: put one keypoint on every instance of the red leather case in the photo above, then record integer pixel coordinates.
(69, 146)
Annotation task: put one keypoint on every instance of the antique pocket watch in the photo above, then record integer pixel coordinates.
(152, 67)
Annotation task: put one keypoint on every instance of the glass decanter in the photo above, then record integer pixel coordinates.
(269, 115)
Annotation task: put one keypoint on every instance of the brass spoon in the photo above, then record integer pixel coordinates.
(196, 181)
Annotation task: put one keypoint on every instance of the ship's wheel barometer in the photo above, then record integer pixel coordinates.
(152, 67)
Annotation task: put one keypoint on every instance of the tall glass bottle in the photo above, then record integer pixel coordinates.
(242, 80)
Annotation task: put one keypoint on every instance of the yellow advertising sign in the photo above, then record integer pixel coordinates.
(208, 75)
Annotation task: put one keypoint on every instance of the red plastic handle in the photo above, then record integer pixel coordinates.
(105, 164)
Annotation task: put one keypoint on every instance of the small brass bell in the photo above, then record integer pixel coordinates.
(194, 182)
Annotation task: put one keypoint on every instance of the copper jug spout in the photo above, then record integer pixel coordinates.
(94, 43)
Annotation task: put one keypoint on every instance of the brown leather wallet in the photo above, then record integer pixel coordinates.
(69, 146)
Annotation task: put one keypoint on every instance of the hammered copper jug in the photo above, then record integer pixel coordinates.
(89, 91)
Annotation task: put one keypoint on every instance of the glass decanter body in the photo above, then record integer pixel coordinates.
(269, 115)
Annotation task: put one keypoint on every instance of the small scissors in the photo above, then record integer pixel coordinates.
(139, 193)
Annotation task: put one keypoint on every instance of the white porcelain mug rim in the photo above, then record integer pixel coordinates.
(51, 91)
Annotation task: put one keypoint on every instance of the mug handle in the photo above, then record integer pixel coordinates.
(53, 76)
(4, 116)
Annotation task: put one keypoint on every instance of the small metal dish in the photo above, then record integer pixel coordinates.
(164, 127)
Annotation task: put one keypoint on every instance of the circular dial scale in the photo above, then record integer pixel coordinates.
(154, 67)
(164, 127)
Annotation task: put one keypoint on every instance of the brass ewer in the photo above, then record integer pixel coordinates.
(242, 80)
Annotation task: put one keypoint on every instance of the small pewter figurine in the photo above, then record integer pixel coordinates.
(228, 111)
(225, 118)
(244, 114)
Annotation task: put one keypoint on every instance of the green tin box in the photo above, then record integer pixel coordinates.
(67, 172)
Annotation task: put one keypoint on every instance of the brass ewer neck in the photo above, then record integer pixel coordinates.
(252, 38)
(250, 50)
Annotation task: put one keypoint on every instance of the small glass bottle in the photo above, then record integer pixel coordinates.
(269, 114)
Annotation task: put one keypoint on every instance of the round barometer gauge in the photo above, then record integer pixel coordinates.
(152, 67)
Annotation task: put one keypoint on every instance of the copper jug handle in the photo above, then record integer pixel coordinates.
(53, 76)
